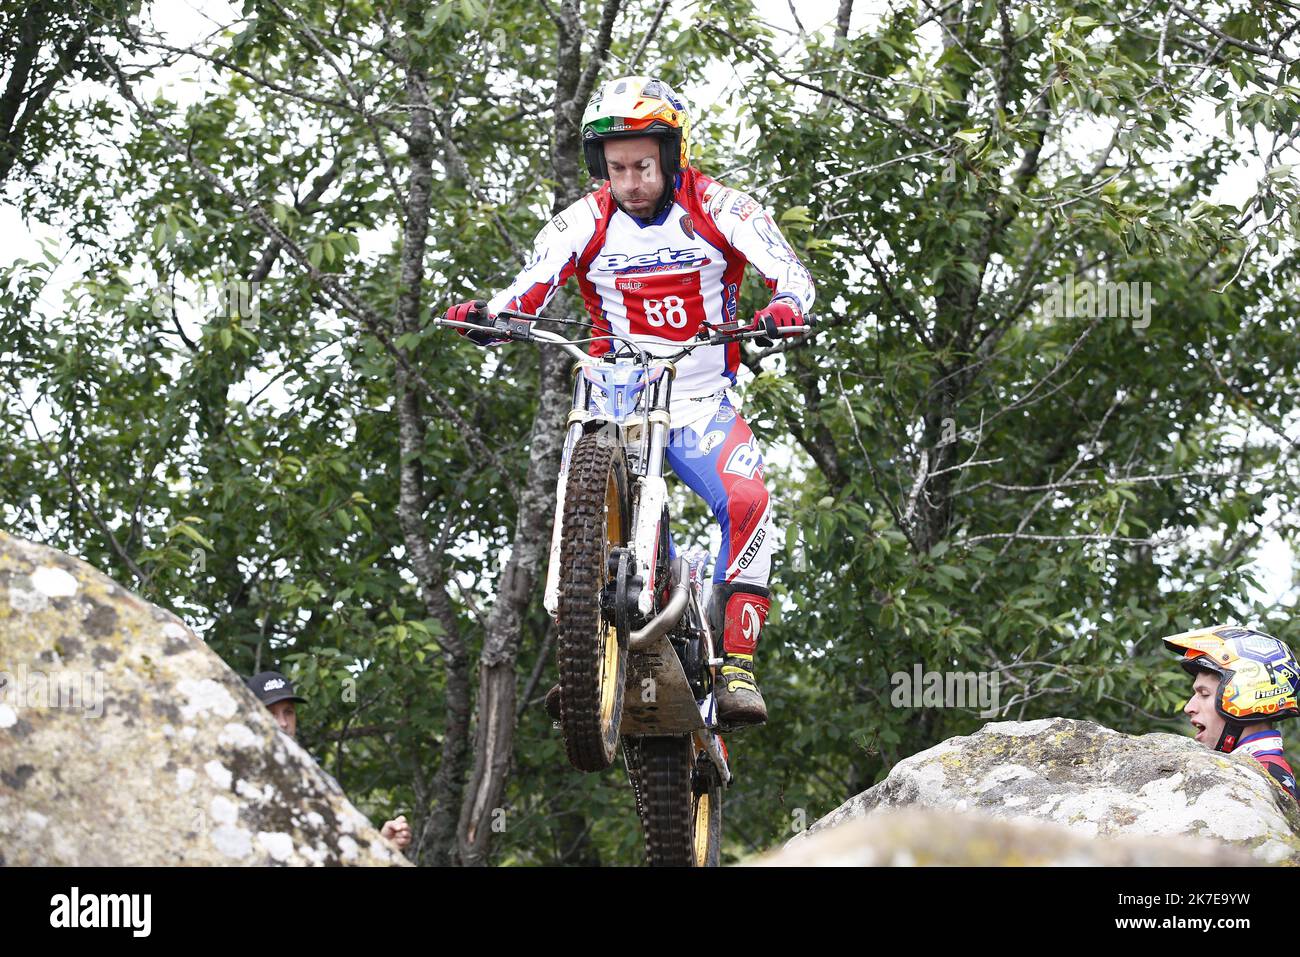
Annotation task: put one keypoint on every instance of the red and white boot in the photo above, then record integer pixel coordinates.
(740, 703)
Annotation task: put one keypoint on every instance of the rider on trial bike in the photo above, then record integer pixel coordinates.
(659, 250)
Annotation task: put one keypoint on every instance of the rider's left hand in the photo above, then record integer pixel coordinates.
(778, 320)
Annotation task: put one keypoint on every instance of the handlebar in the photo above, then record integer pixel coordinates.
(517, 327)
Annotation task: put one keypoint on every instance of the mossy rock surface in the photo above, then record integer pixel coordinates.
(124, 740)
(930, 837)
(1097, 783)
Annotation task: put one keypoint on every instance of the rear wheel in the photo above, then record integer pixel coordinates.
(592, 661)
(706, 802)
(680, 799)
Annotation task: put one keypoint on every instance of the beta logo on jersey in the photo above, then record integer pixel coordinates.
(660, 259)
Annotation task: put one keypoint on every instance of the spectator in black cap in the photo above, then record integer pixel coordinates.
(276, 692)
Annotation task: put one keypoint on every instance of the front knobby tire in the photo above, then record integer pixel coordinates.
(592, 662)
(680, 803)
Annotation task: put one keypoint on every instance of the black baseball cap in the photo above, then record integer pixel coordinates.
(271, 686)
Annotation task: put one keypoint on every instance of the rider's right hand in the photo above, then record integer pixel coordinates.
(782, 317)
(475, 312)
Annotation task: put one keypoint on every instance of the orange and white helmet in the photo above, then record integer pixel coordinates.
(1259, 677)
(636, 106)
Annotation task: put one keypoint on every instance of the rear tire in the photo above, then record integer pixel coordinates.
(592, 662)
(706, 806)
(681, 804)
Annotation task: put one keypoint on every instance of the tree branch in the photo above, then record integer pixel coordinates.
(775, 68)
(646, 37)
(336, 293)
(604, 35)
(1230, 40)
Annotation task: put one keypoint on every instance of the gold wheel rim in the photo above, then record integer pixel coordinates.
(609, 660)
(608, 678)
(702, 809)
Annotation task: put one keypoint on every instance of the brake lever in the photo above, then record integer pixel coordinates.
(735, 325)
(517, 330)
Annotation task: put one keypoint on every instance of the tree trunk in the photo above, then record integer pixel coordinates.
(494, 737)
(437, 843)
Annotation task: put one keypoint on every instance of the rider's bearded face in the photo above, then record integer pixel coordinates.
(635, 176)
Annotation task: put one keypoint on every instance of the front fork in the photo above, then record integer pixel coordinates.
(551, 596)
(650, 491)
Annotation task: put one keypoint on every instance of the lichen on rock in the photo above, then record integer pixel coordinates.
(1095, 782)
(124, 740)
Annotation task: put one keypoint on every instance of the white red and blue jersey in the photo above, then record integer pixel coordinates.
(655, 281)
(1266, 748)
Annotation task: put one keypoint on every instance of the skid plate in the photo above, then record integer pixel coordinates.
(657, 699)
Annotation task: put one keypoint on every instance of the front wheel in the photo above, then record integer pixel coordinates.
(592, 661)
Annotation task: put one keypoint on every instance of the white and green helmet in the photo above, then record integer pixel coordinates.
(636, 106)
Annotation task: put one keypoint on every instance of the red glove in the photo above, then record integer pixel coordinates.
(474, 312)
(781, 316)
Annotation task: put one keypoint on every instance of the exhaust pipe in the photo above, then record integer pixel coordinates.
(662, 623)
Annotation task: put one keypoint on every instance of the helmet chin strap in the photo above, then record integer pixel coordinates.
(1231, 735)
(666, 198)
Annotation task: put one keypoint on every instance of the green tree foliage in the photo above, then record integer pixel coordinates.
(46, 48)
(971, 476)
